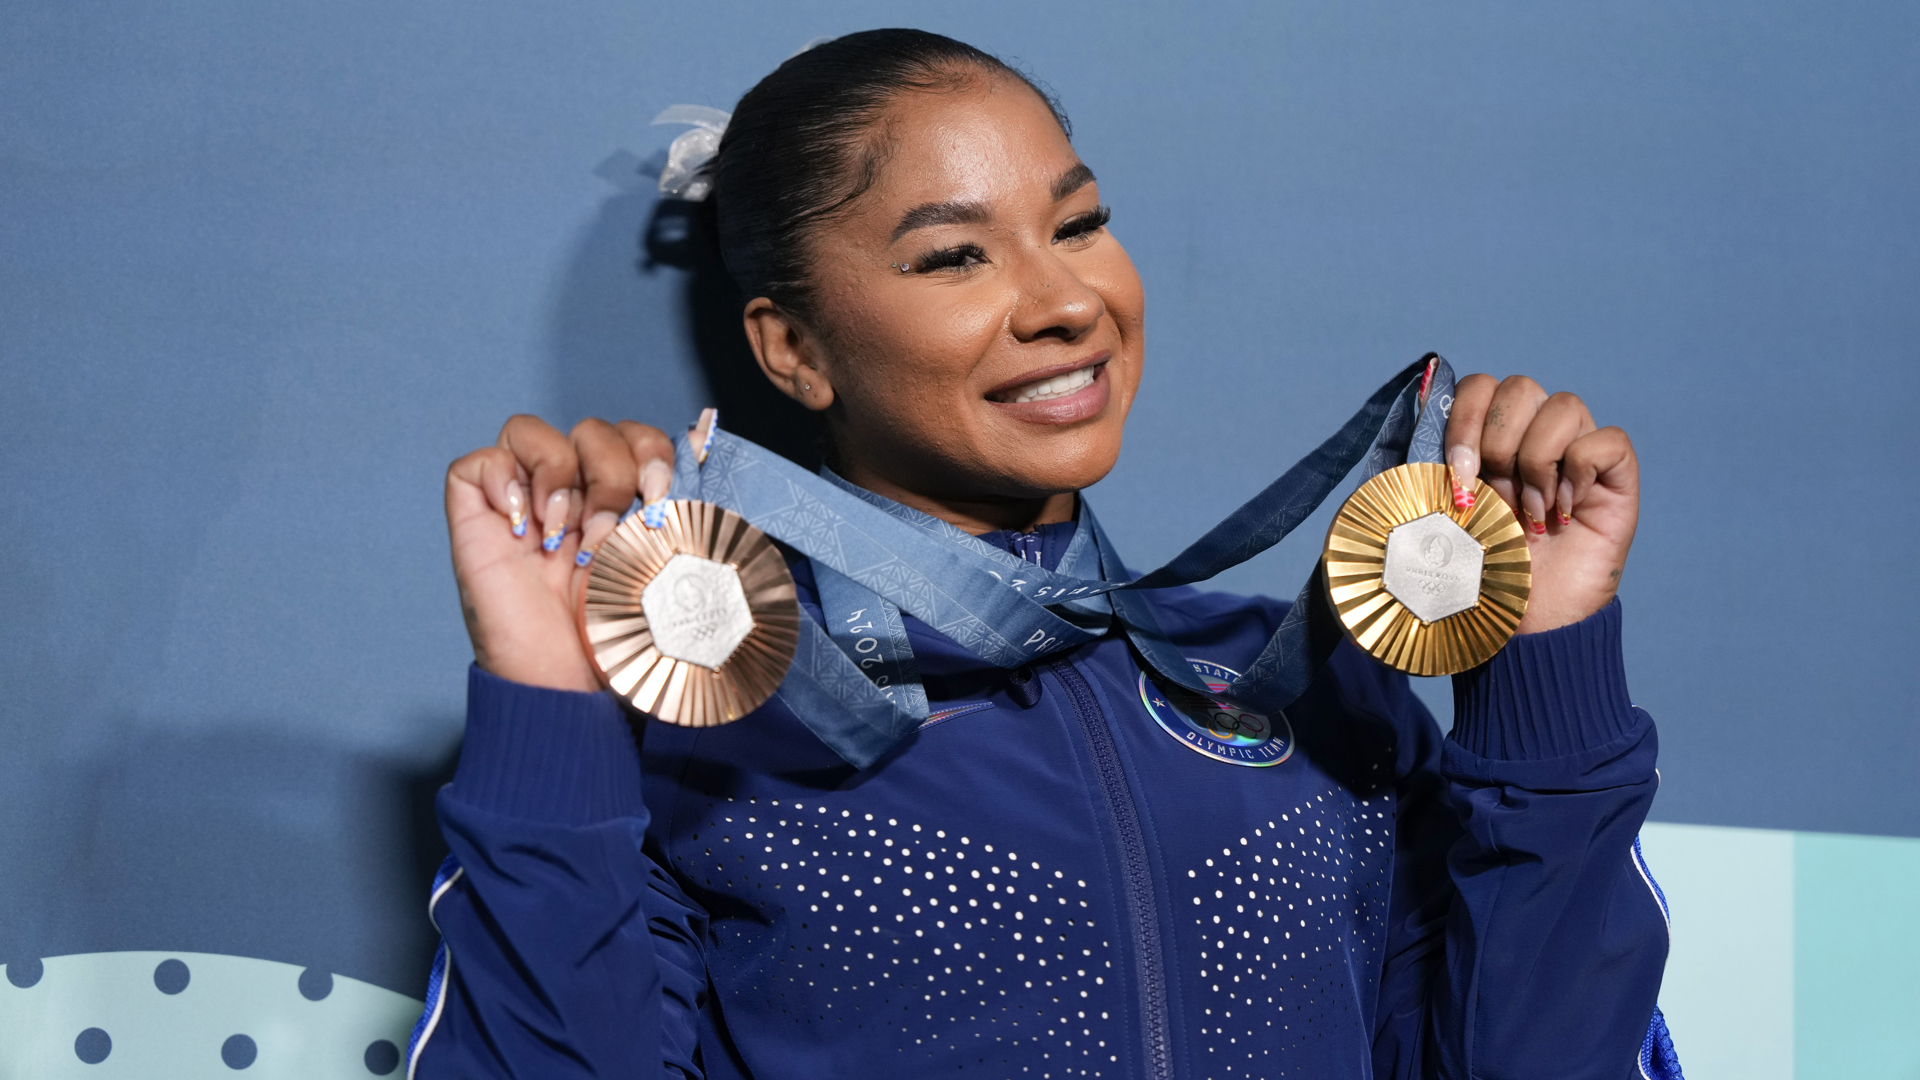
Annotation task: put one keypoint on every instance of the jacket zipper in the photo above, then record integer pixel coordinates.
(1141, 908)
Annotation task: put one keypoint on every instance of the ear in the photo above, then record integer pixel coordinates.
(788, 353)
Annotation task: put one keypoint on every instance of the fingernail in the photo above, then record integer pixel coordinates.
(555, 520)
(1533, 506)
(1565, 502)
(516, 508)
(655, 479)
(593, 534)
(654, 514)
(703, 430)
(1534, 503)
(1462, 496)
(1465, 465)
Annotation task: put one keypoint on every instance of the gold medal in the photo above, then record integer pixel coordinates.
(1427, 587)
(695, 622)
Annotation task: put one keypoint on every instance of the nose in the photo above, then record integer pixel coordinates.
(1053, 302)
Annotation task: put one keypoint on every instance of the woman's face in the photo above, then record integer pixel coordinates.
(979, 330)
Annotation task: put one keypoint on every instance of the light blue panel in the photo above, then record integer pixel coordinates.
(1728, 991)
(1857, 958)
(200, 1015)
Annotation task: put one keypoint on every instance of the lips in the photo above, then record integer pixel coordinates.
(1057, 387)
(1064, 394)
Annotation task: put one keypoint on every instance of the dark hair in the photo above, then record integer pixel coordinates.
(797, 151)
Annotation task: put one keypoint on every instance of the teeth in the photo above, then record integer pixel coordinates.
(1058, 386)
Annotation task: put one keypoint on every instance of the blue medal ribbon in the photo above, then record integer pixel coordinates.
(853, 681)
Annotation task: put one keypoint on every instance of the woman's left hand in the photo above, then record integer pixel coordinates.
(1575, 487)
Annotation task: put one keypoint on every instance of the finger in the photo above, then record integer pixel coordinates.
(1603, 457)
(1561, 420)
(1515, 402)
(653, 451)
(609, 478)
(495, 473)
(1471, 397)
(553, 468)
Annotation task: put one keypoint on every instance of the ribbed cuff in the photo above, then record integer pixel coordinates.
(1547, 695)
(546, 755)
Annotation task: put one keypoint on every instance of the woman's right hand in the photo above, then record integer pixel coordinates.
(515, 514)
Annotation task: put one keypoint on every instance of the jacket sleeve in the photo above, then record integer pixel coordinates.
(1530, 941)
(565, 950)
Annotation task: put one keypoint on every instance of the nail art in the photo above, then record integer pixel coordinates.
(556, 519)
(655, 480)
(703, 430)
(1463, 498)
(593, 532)
(1537, 528)
(1566, 518)
(1462, 469)
(654, 514)
(516, 508)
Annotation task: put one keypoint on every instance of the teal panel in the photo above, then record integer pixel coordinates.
(1728, 991)
(1857, 957)
(174, 1016)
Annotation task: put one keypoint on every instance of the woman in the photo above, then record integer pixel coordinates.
(1043, 881)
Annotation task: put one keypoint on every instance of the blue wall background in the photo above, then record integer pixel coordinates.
(264, 270)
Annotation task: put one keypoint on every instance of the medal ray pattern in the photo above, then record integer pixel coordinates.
(1356, 572)
(623, 642)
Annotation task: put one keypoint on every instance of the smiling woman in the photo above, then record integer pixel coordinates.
(1076, 862)
(984, 337)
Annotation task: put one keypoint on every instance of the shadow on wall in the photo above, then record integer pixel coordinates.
(249, 841)
(612, 356)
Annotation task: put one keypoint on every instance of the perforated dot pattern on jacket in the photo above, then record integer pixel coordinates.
(1287, 923)
(967, 950)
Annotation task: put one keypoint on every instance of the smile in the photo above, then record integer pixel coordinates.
(1051, 385)
(1047, 389)
(1064, 394)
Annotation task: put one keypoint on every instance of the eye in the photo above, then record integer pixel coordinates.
(958, 257)
(1081, 227)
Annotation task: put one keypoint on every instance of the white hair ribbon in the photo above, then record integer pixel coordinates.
(692, 150)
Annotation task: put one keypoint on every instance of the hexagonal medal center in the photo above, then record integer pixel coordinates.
(1433, 567)
(696, 610)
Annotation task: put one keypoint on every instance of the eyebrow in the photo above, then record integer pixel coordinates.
(973, 213)
(1071, 181)
(940, 213)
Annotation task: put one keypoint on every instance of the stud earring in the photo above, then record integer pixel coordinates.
(806, 388)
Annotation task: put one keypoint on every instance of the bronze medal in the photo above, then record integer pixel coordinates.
(695, 622)
(1426, 587)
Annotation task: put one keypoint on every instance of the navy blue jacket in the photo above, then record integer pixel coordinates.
(1045, 881)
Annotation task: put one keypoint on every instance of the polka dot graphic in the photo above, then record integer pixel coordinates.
(92, 1046)
(196, 1014)
(962, 950)
(382, 1057)
(1285, 927)
(316, 984)
(238, 1052)
(25, 973)
(171, 976)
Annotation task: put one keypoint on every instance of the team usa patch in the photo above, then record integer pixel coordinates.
(1215, 728)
